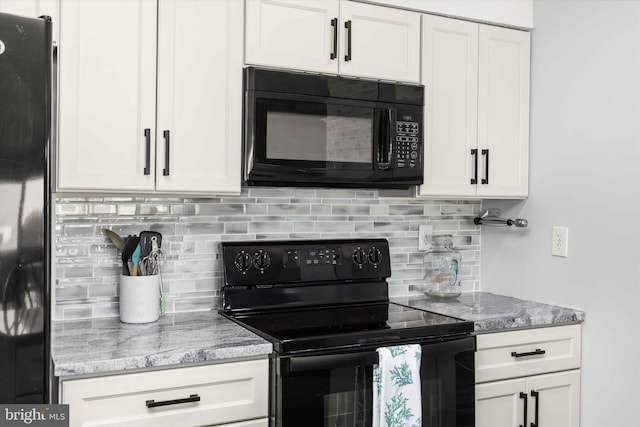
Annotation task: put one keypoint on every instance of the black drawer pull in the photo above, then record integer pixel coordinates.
(537, 352)
(154, 404)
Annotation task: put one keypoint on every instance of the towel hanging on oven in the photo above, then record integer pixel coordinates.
(397, 400)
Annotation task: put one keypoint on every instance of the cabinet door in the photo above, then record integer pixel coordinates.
(199, 96)
(450, 76)
(503, 111)
(107, 94)
(558, 399)
(294, 34)
(382, 42)
(501, 404)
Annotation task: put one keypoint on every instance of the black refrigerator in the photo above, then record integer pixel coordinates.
(25, 130)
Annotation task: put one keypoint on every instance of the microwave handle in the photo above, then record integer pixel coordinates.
(385, 151)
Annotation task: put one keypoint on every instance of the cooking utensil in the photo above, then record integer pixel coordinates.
(115, 238)
(135, 260)
(147, 240)
(129, 247)
(152, 258)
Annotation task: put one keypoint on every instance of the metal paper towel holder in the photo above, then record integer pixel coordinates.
(491, 217)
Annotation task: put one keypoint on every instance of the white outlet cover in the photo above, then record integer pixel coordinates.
(425, 233)
(560, 241)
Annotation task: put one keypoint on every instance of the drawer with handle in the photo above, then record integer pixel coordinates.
(204, 395)
(513, 354)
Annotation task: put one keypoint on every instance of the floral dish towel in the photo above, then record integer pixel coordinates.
(397, 400)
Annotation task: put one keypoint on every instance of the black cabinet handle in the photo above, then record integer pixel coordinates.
(147, 160)
(537, 352)
(474, 153)
(485, 153)
(347, 25)
(191, 398)
(167, 141)
(535, 395)
(524, 422)
(334, 24)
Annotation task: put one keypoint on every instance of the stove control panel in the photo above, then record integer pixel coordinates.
(297, 262)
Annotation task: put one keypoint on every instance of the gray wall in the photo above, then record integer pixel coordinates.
(584, 174)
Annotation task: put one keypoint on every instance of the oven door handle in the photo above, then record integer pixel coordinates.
(329, 361)
(294, 364)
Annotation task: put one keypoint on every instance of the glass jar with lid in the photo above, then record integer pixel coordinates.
(441, 269)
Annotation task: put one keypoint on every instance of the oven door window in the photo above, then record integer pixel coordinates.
(337, 397)
(314, 134)
(336, 390)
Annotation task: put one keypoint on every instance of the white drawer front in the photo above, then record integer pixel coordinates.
(228, 392)
(515, 354)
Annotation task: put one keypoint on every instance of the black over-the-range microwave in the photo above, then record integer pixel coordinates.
(327, 131)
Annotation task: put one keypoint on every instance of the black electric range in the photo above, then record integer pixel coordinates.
(310, 295)
(324, 305)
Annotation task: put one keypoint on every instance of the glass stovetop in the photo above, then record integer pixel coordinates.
(351, 325)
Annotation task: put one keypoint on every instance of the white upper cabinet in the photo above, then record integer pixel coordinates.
(199, 96)
(34, 9)
(107, 95)
(450, 76)
(293, 34)
(476, 81)
(175, 60)
(380, 42)
(503, 111)
(334, 36)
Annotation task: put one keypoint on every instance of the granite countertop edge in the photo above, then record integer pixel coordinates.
(493, 313)
(107, 346)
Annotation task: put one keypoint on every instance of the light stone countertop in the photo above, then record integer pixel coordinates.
(102, 346)
(492, 312)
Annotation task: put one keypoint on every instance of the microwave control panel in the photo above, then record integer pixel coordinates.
(408, 144)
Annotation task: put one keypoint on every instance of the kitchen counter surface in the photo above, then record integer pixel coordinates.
(102, 346)
(491, 312)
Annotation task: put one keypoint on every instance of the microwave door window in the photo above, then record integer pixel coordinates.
(326, 136)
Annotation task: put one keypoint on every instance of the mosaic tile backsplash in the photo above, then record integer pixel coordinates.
(87, 265)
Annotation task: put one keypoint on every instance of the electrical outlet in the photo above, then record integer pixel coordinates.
(559, 241)
(424, 237)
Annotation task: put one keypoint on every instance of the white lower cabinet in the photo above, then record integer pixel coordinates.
(233, 394)
(529, 378)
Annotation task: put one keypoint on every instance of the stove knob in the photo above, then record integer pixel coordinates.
(375, 256)
(359, 257)
(243, 261)
(261, 260)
